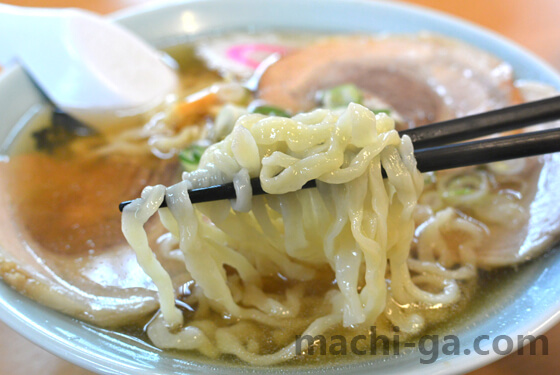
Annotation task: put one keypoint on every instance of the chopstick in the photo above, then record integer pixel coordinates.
(488, 150)
(486, 123)
(456, 155)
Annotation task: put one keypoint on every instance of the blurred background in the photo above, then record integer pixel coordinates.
(533, 24)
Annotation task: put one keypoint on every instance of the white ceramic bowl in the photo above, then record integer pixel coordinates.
(529, 303)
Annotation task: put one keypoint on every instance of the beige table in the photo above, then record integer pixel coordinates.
(534, 24)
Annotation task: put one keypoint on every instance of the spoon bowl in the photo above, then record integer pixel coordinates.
(95, 70)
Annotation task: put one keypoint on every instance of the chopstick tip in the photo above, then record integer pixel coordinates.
(122, 205)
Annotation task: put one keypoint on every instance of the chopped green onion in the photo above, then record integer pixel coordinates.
(508, 167)
(429, 178)
(270, 110)
(190, 157)
(459, 192)
(383, 110)
(464, 187)
(341, 96)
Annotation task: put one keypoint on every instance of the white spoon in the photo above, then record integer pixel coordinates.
(92, 69)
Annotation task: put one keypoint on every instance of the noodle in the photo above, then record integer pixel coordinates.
(356, 223)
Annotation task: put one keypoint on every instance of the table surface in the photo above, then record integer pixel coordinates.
(533, 24)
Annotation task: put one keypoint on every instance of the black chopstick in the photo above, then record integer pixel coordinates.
(220, 192)
(479, 125)
(488, 150)
(431, 158)
(428, 159)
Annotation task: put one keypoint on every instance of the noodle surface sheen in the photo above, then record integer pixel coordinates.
(356, 224)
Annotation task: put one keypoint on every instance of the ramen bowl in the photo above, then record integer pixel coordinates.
(519, 303)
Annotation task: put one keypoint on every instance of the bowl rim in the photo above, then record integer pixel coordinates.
(127, 13)
(45, 339)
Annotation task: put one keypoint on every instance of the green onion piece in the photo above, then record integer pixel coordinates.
(429, 178)
(270, 110)
(382, 110)
(190, 157)
(341, 96)
(459, 192)
(464, 187)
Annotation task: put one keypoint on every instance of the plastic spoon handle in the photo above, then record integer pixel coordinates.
(91, 68)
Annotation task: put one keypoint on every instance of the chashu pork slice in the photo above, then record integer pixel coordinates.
(425, 78)
(61, 242)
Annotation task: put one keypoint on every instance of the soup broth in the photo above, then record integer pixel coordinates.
(63, 201)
